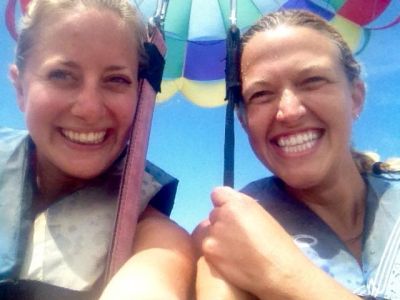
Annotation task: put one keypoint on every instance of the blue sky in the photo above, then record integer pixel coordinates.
(187, 141)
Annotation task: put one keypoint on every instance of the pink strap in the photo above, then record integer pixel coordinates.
(130, 190)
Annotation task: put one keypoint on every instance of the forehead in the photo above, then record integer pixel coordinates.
(290, 46)
(84, 30)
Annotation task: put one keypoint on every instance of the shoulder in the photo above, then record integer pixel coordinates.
(263, 183)
(11, 137)
(384, 194)
(155, 230)
(384, 183)
(158, 188)
(11, 145)
(162, 264)
(159, 224)
(265, 189)
(158, 174)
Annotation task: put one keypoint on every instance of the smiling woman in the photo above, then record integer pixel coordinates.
(324, 226)
(77, 85)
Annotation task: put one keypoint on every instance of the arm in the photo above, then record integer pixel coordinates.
(162, 265)
(209, 283)
(252, 251)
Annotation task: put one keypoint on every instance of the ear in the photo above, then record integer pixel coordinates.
(17, 82)
(358, 97)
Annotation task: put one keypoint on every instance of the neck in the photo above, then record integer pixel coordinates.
(340, 203)
(52, 184)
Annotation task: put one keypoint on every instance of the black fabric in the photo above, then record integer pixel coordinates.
(163, 201)
(232, 74)
(232, 66)
(34, 290)
(155, 67)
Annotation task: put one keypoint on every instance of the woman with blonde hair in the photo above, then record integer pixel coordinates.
(76, 79)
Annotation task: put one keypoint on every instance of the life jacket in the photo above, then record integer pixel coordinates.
(379, 275)
(96, 201)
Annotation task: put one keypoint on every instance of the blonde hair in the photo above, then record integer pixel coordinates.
(369, 162)
(39, 10)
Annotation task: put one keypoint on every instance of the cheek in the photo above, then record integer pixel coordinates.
(125, 113)
(38, 110)
(259, 122)
(341, 114)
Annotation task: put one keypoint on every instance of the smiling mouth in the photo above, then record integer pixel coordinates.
(298, 142)
(86, 138)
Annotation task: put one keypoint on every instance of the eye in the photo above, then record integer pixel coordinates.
(261, 97)
(313, 82)
(119, 79)
(60, 75)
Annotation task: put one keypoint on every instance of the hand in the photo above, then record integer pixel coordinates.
(210, 285)
(247, 246)
(252, 251)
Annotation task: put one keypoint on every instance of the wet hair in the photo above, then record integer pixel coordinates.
(39, 10)
(367, 162)
(302, 18)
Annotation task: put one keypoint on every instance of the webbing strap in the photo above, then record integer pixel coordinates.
(232, 96)
(130, 190)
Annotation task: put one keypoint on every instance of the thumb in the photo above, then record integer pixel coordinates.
(223, 194)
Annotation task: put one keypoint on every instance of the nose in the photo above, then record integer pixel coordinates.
(89, 104)
(291, 108)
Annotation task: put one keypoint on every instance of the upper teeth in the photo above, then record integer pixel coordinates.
(297, 139)
(298, 142)
(85, 137)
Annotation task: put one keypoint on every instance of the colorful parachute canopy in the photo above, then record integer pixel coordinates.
(195, 32)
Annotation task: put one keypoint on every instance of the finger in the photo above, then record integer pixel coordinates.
(209, 247)
(213, 216)
(222, 195)
(199, 234)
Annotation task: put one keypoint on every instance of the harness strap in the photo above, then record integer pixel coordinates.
(130, 190)
(232, 75)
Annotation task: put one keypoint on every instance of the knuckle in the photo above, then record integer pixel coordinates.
(209, 246)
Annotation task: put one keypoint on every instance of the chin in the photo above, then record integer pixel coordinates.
(301, 180)
(86, 173)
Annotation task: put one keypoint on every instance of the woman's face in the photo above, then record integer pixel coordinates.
(79, 92)
(299, 105)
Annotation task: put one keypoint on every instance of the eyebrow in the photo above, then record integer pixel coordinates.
(57, 61)
(116, 68)
(74, 65)
(313, 68)
(254, 84)
(301, 72)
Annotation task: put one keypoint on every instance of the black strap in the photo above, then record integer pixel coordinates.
(232, 75)
(153, 71)
(35, 290)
